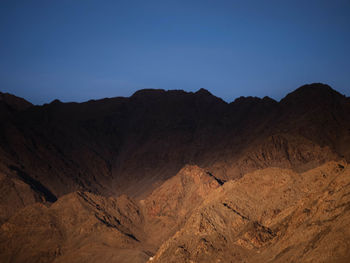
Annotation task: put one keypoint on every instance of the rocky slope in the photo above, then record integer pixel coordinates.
(131, 145)
(271, 215)
(79, 227)
(169, 206)
(84, 227)
(176, 177)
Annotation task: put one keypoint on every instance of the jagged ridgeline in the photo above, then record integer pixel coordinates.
(174, 176)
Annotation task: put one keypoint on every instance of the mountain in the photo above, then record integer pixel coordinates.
(79, 227)
(84, 227)
(13, 103)
(270, 215)
(292, 218)
(125, 179)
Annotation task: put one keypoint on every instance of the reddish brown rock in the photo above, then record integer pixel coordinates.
(271, 215)
(119, 179)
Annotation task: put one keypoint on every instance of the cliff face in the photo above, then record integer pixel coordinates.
(238, 172)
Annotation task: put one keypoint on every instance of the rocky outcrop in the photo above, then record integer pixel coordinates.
(14, 195)
(84, 227)
(280, 150)
(169, 206)
(271, 215)
(79, 227)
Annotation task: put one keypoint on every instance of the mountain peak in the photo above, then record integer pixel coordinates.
(312, 92)
(203, 92)
(15, 102)
(55, 102)
(147, 92)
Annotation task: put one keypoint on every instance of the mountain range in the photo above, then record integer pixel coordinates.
(175, 176)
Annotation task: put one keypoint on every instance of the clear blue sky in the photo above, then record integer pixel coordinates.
(76, 50)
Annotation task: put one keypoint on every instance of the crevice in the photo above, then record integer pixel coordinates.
(108, 224)
(220, 182)
(236, 212)
(34, 184)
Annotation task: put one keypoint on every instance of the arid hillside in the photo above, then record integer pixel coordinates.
(174, 176)
(270, 215)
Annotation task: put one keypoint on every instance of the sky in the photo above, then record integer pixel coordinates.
(76, 50)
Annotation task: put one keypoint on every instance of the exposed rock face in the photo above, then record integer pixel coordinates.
(84, 227)
(169, 206)
(79, 227)
(14, 195)
(176, 177)
(279, 150)
(271, 215)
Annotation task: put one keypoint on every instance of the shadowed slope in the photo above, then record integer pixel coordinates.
(131, 145)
